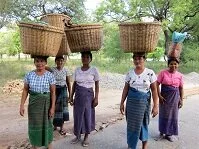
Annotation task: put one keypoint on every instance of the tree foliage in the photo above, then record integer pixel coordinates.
(12, 10)
(175, 15)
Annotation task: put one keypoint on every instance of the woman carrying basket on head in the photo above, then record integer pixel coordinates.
(85, 99)
(40, 85)
(140, 82)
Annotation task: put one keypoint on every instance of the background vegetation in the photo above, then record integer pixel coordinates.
(174, 15)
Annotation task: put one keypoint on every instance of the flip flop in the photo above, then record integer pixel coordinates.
(62, 132)
(75, 140)
(85, 144)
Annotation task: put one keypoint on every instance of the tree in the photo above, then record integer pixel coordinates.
(18, 10)
(111, 46)
(175, 15)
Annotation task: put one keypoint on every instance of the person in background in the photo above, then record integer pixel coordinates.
(140, 82)
(85, 100)
(63, 85)
(171, 99)
(40, 85)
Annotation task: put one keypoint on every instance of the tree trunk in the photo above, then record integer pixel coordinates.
(18, 56)
(166, 44)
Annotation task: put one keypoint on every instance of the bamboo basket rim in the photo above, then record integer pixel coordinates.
(54, 14)
(83, 27)
(40, 26)
(139, 23)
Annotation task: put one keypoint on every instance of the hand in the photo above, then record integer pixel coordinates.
(122, 108)
(52, 112)
(95, 102)
(154, 111)
(21, 110)
(180, 104)
(71, 101)
(162, 99)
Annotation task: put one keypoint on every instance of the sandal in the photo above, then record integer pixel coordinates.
(85, 143)
(75, 140)
(62, 132)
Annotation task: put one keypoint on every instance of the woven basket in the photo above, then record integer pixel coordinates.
(84, 37)
(57, 20)
(39, 39)
(64, 48)
(139, 37)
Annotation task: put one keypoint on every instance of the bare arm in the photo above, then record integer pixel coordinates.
(73, 92)
(181, 90)
(53, 97)
(23, 98)
(95, 102)
(155, 98)
(124, 95)
(68, 85)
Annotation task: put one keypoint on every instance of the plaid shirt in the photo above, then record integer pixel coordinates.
(39, 84)
(60, 76)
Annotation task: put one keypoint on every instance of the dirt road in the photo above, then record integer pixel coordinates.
(13, 127)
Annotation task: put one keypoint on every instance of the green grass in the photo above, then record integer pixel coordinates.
(12, 69)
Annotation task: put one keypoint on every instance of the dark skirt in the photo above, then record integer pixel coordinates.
(84, 113)
(168, 112)
(137, 116)
(40, 128)
(61, 106)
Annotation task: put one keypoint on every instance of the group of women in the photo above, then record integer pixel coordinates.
(48, 100)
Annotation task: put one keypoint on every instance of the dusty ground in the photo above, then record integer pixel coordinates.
(13, 127)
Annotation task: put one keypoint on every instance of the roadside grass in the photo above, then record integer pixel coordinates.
(12, 69)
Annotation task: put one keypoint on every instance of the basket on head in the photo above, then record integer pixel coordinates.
(64, 48)
(139, 37)
(84, 37)
(39, 39)
(57, 20)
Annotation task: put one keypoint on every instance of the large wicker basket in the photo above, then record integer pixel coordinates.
(39, 39)
(57, 20)
(64, 48)
(84, 37)
(139, 37)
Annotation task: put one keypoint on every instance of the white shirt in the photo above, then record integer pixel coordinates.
(86, 78)
(142, 81)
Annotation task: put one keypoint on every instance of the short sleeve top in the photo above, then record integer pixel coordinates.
(86, 78)
(60, 75)
(39, 84)
(174, 79)
(142, 81)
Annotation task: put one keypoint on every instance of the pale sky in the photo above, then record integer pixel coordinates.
(91, 4)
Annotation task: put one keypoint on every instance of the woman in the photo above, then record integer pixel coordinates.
(86, 99)
(138, 83)
(171, 99)
(63, 84)
(40, 85)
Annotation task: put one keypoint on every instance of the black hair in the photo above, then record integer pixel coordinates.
(87, 53)
(170, 59)
(59, 57)
(139, 54)
(40, 57)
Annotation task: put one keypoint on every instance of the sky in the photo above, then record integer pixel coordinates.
(91, 4)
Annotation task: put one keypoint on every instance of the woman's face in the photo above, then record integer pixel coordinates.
(138, 61)
(86, 59)
(173, 66)
(40, 63)
(60, 62)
